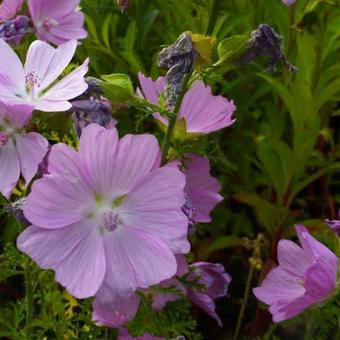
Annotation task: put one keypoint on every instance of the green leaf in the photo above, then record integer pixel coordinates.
(117, 87)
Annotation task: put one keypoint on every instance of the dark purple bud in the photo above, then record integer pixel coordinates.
(92, 107)
(210, 282)
(266, 42)
(89, 111)
(12, 31)
(334, 225)
(178, 59)
(16, 209)
(94, 87)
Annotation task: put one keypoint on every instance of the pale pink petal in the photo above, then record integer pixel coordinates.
(9, 8)
(62, 197)
(315, 249)
(47, 9)
(98, 148)
(53, 105)
(113, 313)
(283, 311)
(151, 90)
(136, 260)
(69, 87)
(9, 168)
(137, 156)
(203, 112)
(31, 148)
(155, 206)
(57, 21)
(279, 285)
(17, 114)
(69, 27)
(204, 302)
(48, 62)
(12, 75)
(288, 253)
(75, 253)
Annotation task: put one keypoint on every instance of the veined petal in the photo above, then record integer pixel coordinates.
(135, 259)
(16, 114)
(75, 253)
(155, 206)
(9, 8)
(31, 148)
(48, 62)
(69, 87)
(279, 285)
(63, 197)
(9, 168)
(12, 75)
(98, 148)
(137, 156)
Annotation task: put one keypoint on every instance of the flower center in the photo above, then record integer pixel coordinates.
(109, 220)
(49, 23)
(301, 282)
(32, 79)
(3, 138)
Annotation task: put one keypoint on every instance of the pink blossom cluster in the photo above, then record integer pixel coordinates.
(54, 21)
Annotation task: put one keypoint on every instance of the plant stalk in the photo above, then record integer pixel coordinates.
(173, 120)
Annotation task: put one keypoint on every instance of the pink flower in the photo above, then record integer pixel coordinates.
(288, 2)
(57, 21)
(214, 282)
(204, 283)
(305, 276)
(35, 83)
(107, 217)
(9, 8)
(202, 111)
(20, 152)
(111, 313)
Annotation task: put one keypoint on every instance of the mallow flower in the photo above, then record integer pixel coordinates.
(36, 83)
(107, 217)
(202, 283)
(201, 110)
(305, 276)
(201, 189)
(112, 313)
(9, 8)
(20, 152)
(57, 21)
(289, 2)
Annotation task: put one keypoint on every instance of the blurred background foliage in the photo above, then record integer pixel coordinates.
(279, 164)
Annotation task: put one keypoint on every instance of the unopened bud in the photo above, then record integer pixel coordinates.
(178, 59)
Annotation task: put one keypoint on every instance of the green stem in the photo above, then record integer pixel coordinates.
(291, 28)
(173, 119)
(244, 302)
(29, 299)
